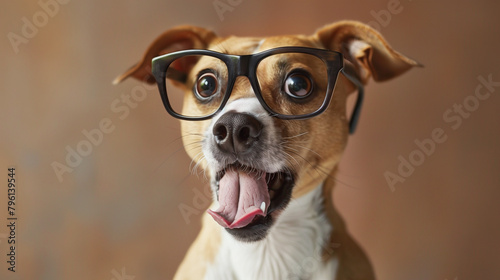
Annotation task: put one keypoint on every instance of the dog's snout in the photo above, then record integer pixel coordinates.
(236, 132)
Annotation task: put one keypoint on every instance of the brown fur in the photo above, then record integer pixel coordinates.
(367, 55)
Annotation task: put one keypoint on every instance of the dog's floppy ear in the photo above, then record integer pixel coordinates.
(366, 49)
(175, 39)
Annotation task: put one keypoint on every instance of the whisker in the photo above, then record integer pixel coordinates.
(314, 167)
(306, 148)
(185, 135)
(201, 170)
(291, 157)
(183, 147)
(293, 151)
(194, 163)
(337, 180)
(193, 145)
(295, 136)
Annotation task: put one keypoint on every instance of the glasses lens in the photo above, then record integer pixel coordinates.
(196, 85)
(293, 83)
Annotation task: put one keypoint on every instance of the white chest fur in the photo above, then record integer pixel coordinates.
(292, 249)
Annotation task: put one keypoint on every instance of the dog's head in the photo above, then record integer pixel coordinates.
(257, 160)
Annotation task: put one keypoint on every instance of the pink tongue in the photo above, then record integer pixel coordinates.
(240, 197)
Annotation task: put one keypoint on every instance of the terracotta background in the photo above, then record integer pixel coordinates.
(119, 208)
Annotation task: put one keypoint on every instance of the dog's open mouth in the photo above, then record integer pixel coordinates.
(248, 196)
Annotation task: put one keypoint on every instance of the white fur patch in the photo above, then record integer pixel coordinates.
(292, 249)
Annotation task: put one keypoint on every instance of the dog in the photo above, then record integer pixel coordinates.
(269, 129)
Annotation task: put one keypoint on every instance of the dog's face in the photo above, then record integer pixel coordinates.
(258, 162)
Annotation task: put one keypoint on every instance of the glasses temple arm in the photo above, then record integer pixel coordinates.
(353, 122)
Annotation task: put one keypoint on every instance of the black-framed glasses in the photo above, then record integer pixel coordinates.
(289, 82)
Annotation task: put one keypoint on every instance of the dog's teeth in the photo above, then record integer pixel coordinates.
(263, 207)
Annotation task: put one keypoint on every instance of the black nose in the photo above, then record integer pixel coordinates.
(236, 132)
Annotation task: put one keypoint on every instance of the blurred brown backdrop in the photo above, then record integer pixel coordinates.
(117, 212)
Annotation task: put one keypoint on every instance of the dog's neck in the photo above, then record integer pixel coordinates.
(293, 247)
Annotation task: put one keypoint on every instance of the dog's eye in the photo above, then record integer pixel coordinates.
(298, 85)
(207, 85)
